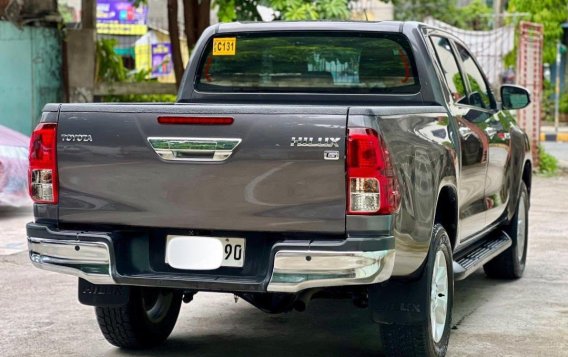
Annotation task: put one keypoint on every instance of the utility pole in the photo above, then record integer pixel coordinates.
(557, 88)
(497, 12)
(80, 56)
(89, 14)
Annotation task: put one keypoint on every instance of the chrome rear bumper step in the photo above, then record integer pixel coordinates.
(87, 260)
(475, 259)
(296, 270)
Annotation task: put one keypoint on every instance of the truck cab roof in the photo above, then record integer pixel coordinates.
(380, 26)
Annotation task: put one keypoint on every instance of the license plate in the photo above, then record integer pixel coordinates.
(233, 252)
(195, 254)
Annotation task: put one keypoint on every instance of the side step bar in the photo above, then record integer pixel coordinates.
(473, 260)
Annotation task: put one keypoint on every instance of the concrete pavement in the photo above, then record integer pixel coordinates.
(40, 315)
(559, 151)
(11, 223)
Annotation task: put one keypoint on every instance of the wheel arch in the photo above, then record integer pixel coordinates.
(447, 211)
(520, 170)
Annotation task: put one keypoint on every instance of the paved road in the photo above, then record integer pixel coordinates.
(39, 314)
(558, 150)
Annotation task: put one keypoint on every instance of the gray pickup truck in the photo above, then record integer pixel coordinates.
(368, 161)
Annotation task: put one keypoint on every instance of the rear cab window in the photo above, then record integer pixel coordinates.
(321, 62)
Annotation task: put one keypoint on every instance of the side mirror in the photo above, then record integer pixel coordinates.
(514, 97)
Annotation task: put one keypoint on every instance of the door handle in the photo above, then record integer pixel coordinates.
(194, 149)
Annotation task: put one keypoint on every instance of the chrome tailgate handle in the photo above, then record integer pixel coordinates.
(194, 149)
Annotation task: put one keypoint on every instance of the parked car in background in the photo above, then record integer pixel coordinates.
(13, 168)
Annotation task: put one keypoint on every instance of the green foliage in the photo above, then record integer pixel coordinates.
(66, 14)
(548, 164)
(109, 65)
(333, 9)
(294, 10)
(564, 103)
(475, 87)
(474, 16)
(458, 83)
(550, 13)
(111, 69)
(548, 101)
(245, 10)
(140, 98)
(237, 10)
(417, 10)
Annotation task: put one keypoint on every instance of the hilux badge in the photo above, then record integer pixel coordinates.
(315, 142)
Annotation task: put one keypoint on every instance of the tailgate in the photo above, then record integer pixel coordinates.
(246, 176)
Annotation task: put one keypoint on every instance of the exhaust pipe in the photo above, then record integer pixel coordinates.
(303, 299)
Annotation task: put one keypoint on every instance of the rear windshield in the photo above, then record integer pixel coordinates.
(308, 62)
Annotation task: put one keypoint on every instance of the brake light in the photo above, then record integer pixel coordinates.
(42, 171)
(372, 186)
(196, 120)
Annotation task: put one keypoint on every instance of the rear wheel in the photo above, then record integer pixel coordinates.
(145, 321)
(511, 263)
(430, 337)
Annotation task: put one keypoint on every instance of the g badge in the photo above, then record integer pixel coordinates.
(331, 155)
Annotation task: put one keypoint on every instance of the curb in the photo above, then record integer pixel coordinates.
(561, 137)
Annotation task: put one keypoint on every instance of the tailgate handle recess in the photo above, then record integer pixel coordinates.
(194, 149)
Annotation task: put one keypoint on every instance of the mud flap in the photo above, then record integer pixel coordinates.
(103, 295)
(400, 301)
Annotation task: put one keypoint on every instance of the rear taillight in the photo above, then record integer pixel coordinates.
(372, 187)
(42, 172)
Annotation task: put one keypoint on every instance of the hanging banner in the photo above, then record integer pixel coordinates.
(161, 59)
(120, 17)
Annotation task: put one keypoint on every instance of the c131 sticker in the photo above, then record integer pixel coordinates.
(224, 46)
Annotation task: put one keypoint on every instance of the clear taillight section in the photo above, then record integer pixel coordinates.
(42, 172)
(365, 195)
(371, 182)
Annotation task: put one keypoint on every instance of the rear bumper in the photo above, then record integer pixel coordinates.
(293, 265)
(294, 271)
(86, 260)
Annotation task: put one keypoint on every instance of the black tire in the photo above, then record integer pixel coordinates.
(418, 339)
(511, 263)
(145, 321)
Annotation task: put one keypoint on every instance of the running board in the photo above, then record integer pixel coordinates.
(473, 260)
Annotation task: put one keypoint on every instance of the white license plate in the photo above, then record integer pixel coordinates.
(233, 252)
(204, 253)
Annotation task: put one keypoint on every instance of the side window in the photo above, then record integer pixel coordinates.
(480, 95)
(450, 68)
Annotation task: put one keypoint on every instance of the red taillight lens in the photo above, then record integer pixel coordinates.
(42, 172)
(372, 187)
